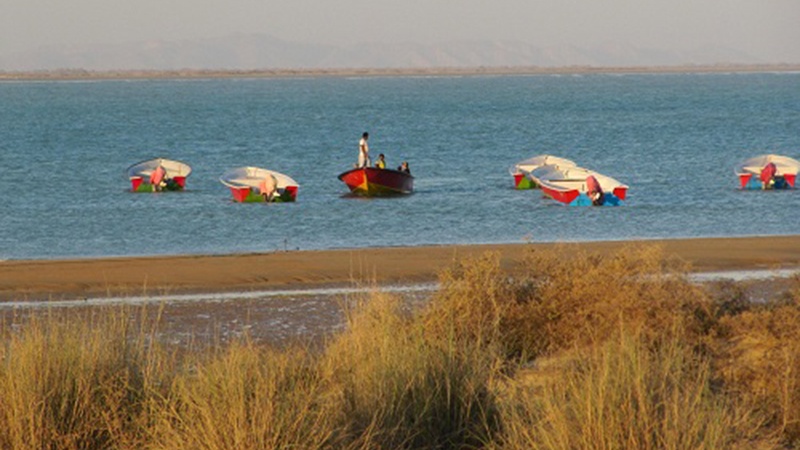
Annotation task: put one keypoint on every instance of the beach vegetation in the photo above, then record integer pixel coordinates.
(569, 351)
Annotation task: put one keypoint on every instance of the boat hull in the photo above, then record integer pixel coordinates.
(372, 182)
(141, 184)
(574, 197)
(751, 182)
(523, 181)
(251, 195)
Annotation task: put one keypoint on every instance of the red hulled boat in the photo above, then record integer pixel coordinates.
(768, 172)
(371, 181)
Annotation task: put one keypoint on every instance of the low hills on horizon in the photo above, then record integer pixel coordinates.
(248, 52)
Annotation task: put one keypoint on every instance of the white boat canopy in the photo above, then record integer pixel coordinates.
(145, 168)
(568, 178)
(783, 164)
(531, 164)
(253, 176)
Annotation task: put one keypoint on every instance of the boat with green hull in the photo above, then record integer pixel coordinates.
(158, 175)
(257, 185)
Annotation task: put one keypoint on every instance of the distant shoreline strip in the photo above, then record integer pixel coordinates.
(81, 74)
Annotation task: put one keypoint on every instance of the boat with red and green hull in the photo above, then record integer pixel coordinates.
(257, 185)
(158, 174)
(522, 170)
(374, 182)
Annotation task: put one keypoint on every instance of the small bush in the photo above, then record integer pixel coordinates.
(580, 299)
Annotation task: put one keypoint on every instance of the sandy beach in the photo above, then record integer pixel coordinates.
(162, 275)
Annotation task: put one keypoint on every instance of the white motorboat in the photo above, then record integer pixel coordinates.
(158, 174)
(768, 172)
(579, 186)
(255, 184)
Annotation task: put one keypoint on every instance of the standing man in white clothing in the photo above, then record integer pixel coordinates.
(363, 151)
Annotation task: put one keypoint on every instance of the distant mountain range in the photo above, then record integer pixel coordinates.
(254, 52)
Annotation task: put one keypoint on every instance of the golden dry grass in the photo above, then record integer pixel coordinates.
(79, 382)
(586, 352)
(401, 386)
(244, 397)
(759, 361)
(625, 394)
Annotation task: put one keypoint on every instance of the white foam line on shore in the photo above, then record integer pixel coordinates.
(698, 277)
(743, 275)
(214, 297)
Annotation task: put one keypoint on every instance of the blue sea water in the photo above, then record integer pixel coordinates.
(673, 138)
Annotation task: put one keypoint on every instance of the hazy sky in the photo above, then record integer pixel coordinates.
(767, 29)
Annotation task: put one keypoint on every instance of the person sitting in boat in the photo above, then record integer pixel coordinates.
(268, 187)
(594, 191)
(158, 177)
(381, 162)
(767, 176)
(363, 151)
(404, 168)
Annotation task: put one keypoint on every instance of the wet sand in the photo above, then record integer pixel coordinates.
(164, 275)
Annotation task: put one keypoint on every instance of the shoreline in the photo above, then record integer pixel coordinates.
(134, 74)
(22, 280)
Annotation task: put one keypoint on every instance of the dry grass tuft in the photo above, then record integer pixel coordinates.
(759, 362)
(402, 386)
(625, 394)
(474, 304)
(245, 397)
(80, 382)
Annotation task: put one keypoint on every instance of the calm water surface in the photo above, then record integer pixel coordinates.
(64, 147)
